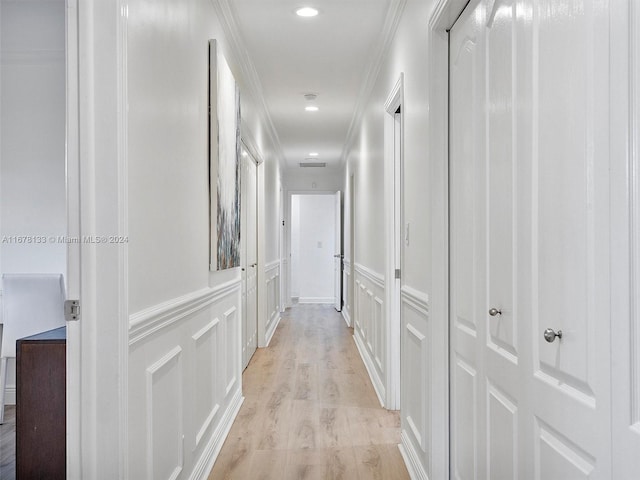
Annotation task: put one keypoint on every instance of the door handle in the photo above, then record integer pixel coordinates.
(494, 311)
(550, 335)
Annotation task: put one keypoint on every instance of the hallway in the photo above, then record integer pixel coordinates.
(310, 410)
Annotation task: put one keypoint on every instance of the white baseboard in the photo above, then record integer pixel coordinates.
(378, 386)
(346, 317)
(321, 300)
(272, 329)
(410, 457)
(205, 464)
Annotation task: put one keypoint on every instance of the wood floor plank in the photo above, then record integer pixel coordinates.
(8, 444)
(310, 411)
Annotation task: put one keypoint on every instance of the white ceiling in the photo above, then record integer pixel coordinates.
(329, 55)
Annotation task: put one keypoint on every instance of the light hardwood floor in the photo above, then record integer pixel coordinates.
(310, 411)
(8, 444)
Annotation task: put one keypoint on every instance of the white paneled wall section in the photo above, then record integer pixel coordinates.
(369, 328)
(415, 382)
(272, 272)
(347, 304)
(184, 382)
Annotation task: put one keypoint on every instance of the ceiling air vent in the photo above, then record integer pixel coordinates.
(313, 164)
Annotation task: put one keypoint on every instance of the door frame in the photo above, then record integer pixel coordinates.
(393, 154)
(442, 19)
(245, 145)
(249, 144)
(287, 243)
(97, 204)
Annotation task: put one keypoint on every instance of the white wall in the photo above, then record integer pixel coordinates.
(365, 160)
(184, 335)
(310, 178)
(312, 247)
(32, 141)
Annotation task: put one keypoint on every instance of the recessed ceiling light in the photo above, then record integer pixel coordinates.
(313, 154)
(311, 108)
(306, 12)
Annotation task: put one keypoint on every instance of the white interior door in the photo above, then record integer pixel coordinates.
(249, 235)
(529, 242)
(337, 257)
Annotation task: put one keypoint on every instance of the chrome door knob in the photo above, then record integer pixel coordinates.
(550, 334)
(494, 311)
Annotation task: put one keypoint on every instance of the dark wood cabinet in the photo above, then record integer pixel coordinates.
(41, 406)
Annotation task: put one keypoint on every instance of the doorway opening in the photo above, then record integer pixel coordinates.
(394, 151)
(316, 248)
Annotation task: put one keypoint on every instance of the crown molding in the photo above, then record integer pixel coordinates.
(228, 20)
(394, 12)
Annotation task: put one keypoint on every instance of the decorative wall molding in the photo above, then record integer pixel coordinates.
(393, 15)
(369, 329)
(173, 356)
(445, 14)
(205, 463)
(374, 277)
(232, 337)
(415, 299)
(271, 266)
(158, 317)
(212, 327)
(411, 459)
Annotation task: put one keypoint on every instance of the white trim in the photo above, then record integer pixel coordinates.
(416, 299)
(376, 381)
(346, 317)
(205, 463)
(316, 300)
(74, 409)
(372, 276)
(442, 18)
(393, 212)
(272, 329)
(271, 266)
(149, 321)
(411, 459)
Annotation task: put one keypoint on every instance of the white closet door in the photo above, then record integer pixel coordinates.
(529, 241)
(249, 237)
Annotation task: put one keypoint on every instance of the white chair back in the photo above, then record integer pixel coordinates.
(32, 303)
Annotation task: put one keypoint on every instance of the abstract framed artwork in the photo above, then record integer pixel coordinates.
(224, 154)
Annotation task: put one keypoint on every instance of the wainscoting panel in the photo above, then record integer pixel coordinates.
(416, 380)
(231, 334)
(185, 385)
(206, 348)
(370, 328)
(165, 429)
(347, 307)
(272, 272)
